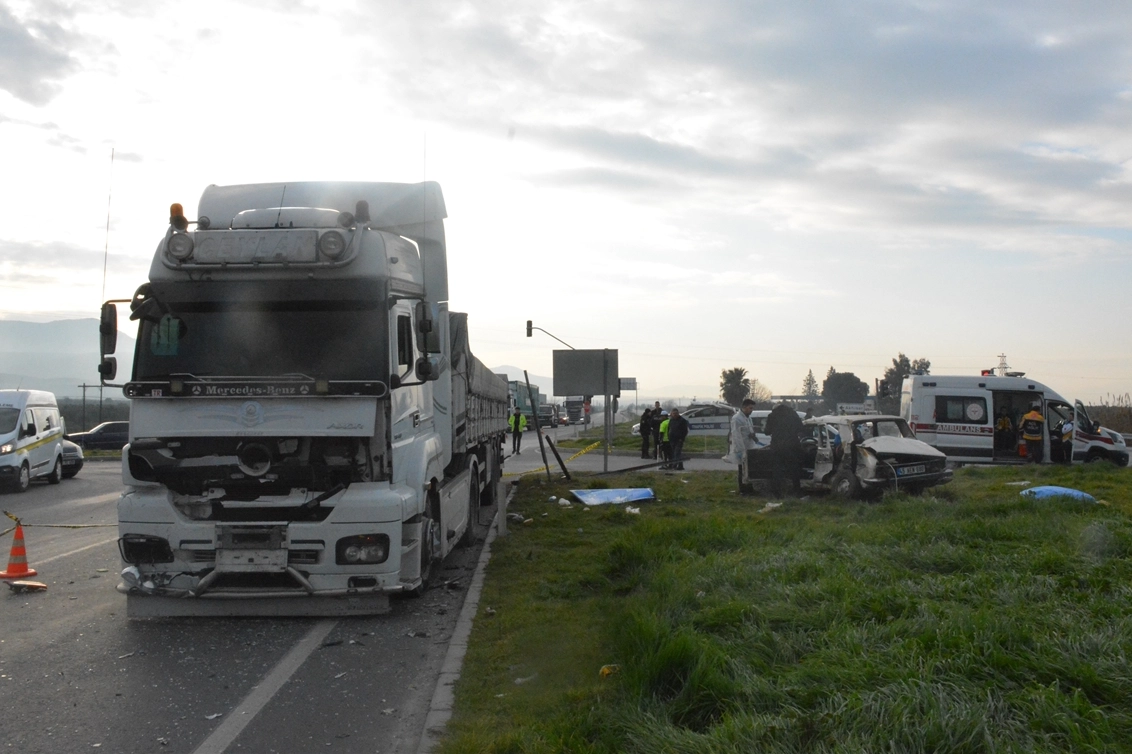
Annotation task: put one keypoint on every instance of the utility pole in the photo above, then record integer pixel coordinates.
(84, 386)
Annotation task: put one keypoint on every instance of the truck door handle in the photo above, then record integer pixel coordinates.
(417, 419)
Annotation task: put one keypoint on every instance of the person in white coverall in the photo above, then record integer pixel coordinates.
(742, 437)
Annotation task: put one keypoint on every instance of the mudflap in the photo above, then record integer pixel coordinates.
(147, 606)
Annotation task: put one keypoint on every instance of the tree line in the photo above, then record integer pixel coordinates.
(737, 384)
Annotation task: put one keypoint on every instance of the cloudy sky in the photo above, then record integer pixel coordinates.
(702, 185)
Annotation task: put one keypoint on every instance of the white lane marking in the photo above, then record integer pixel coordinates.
(239, 718)
(75, 552)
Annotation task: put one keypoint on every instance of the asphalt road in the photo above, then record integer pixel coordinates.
(76, 675)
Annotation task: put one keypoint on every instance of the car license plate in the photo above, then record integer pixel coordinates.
(909, 470)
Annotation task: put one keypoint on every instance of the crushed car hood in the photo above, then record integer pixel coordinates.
(901, 446)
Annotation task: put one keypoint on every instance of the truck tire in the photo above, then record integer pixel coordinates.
(490, 490)
(469, 536)
(845, 485)
(430, 534)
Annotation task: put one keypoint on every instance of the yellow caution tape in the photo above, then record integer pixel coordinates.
(52, 526)
(541, 469)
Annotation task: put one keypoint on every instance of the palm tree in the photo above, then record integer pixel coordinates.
(734, 385)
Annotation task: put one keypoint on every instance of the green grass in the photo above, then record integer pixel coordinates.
(971, 620)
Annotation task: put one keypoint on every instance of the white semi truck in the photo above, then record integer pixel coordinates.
(309, 430)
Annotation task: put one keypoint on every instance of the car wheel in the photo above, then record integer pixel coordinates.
(56, 474)
(845, 485)
(23, 480)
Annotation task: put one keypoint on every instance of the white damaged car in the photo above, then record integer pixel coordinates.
(859, 456)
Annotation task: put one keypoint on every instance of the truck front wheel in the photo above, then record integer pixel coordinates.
(429, 540)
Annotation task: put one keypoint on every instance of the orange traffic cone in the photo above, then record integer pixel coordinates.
(18, 560)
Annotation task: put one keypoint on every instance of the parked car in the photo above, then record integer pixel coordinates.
(106, 436)
(859, 456)
(714, 419)
(72, 459)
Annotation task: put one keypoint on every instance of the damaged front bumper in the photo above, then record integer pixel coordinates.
(891, 481)
(347, 563)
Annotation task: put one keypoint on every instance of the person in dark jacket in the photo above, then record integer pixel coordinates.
(657, 418)
(784, 428)
(646, 432)
(677, 434)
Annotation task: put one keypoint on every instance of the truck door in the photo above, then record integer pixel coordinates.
(405, 403)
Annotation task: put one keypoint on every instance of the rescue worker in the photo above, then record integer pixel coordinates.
(518, 424)
(784, 427)
(665, 446)
(1032, 425)
(742, 438)
(1062, 445)
(657, 413)
(646, 432)
(677, 434)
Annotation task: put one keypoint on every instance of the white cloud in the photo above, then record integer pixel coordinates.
(732, 179)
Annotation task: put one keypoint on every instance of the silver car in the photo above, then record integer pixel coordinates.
(859, 456)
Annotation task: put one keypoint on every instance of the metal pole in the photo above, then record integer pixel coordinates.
(605, 410)
(538, 430)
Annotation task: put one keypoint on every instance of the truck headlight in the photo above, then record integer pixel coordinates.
(7, 447)
(332, 244)
(362, 549)
(180, 246)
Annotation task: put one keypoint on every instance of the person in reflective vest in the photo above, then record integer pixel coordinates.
(518, 424)
(1033, 426)
(665, 446)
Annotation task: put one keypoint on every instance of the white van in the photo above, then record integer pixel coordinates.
(31, 438)
(976, 419)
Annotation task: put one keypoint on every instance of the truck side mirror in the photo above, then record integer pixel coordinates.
(108, 330)
(108, 369)
(428, 327)
(428, 368)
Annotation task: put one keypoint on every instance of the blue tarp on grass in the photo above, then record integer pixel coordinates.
(611, 497)
(1048, 491)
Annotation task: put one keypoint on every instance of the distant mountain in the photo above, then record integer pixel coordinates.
(545, 384)
(57, 356)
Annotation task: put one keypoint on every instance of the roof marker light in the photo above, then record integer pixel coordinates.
(177, 217)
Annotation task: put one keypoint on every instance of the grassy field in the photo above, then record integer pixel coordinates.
(971, 620)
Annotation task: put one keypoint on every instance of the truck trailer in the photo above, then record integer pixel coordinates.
(310, 432)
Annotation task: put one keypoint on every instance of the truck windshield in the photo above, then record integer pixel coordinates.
(326, 340)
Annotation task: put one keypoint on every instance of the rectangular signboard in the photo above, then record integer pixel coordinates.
(628, 383)
(586, 372)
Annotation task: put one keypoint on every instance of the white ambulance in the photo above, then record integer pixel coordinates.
(975, 419)
(31, 438)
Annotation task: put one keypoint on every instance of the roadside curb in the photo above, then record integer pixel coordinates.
(440, 708)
